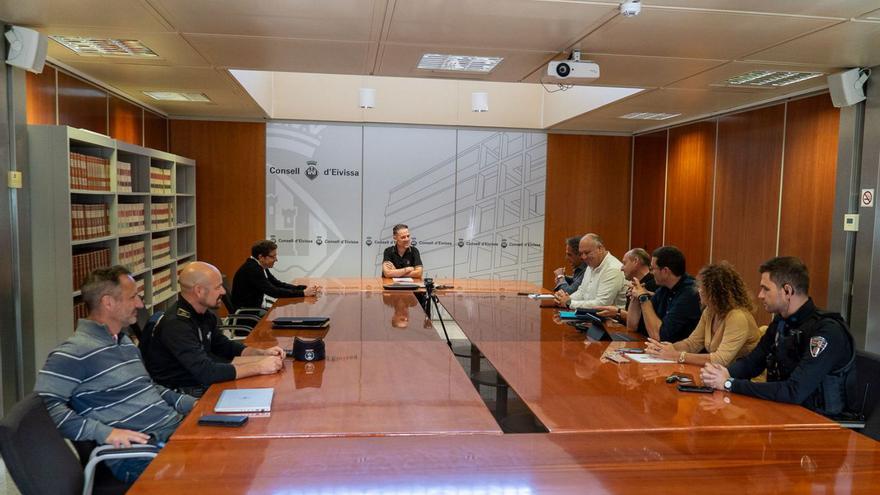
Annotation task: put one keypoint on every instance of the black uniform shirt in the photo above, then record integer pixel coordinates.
(410, 257)
(804, 359)
(188, 350)
(679, 308)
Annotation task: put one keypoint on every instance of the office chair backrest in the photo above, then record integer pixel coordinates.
(227, 298)
(35, 453)
(147, 332)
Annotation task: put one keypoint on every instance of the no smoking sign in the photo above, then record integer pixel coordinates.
(866, 199)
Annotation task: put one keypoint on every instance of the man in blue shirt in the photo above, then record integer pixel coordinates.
(570, 284)
(672, 313)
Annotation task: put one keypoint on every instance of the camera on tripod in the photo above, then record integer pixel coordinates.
(429, 285)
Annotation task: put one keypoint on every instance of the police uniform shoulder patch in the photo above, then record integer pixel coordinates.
(817, 345)
(183, 313)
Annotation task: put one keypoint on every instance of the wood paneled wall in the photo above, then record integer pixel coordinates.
(588, 188)
(808, 179)
(690, 173)
(230, 186)
(746, 179)
(648, 190)
(56, 97)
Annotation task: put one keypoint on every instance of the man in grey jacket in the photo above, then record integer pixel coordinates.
(95, 385)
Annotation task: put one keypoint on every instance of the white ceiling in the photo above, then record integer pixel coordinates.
(679, 50)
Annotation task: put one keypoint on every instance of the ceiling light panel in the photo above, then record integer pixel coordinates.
(177, 96)
(649, 116)
(770, 78)
(458, 63)
(105, 47)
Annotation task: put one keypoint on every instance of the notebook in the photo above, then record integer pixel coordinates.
(402, 286)
(245, 400)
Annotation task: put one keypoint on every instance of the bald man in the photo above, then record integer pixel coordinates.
(603, 283)
(187, 352)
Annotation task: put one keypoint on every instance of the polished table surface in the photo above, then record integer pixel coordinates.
(386, 373)
(570, 387)
(717, 462)
(375, 284)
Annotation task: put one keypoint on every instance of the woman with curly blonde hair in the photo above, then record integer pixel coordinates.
(727, 328)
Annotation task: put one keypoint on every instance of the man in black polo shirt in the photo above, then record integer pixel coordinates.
(401, 259)
(636, 267)
(673, 312)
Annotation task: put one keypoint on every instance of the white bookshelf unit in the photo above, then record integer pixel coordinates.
(100, 201)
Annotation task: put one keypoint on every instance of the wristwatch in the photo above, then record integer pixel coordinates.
(728, 383)
(644, 298)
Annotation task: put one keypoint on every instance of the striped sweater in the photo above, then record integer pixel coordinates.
(91, 384)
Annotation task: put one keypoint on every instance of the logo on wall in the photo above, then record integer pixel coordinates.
(319, 241)
(460, 242)
(503, 243)
(369, 241)
(312, 171)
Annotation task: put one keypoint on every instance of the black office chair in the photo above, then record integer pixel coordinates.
(867, 372)
(40, 461)
(239, 317)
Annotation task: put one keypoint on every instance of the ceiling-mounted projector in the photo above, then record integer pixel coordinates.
(574, 71)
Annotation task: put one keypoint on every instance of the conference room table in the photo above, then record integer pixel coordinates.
(667, 462)
(569, 383)
(391, 410)
(444, 285)
(387, 372)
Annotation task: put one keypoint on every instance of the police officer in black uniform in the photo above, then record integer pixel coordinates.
(186, 351)
(809, 354)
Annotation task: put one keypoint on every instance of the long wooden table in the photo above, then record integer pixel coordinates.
(567, 384)
(453, 285)
(718, 462)
(382, 376)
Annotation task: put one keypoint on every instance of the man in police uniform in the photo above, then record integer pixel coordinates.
(187, 352)
(809, 354)
(401, 259)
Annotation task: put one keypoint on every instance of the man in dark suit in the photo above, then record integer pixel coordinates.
(253, 280)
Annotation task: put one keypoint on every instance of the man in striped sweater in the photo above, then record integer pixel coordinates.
(95, 385)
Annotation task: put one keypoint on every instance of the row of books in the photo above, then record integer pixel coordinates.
(162, 280)
(89, 221)
(133, 256)
(85, 261)
(89, 173)
(79, 311)
(123, 177)
(161, 215)
(160, 180)
(130, 218)
(161, 248)
(139, 282)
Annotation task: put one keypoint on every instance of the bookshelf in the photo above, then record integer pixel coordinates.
(98, 201)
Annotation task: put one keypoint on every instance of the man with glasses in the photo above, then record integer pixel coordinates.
(671, 313)
(253, 280)
(603, 283)
(187, 352)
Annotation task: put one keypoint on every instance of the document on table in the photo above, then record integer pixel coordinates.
(541, 296)
(397, 280)
(647, 359)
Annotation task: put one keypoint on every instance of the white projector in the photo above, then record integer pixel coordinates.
(573, 71)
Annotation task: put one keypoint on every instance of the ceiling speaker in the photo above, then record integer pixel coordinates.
(847, 87)
(27, 49)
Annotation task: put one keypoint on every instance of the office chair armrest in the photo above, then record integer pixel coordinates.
(235, 332)
(108, 452)
(244, 317)
(258, 312)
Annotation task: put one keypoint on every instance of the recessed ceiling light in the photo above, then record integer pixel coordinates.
(105, 47)
(649, 116)
(770, 78)
(177, 96)
(458, 63)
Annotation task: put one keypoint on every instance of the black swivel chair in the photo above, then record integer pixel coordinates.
(239, 319)
(868, 370)
(40, 461)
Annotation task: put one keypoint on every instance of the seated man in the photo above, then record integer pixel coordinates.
(636, 268)
(603, 283)
(187, 352)
(809, 354)
(672, 313)
(253, 280)
(578, 267)
(401, 259)
(94, 384)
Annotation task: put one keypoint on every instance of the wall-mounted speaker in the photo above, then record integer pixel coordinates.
(27, 49)
(847, 87)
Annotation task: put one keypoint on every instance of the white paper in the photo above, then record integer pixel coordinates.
(647, 359)
(398, 280)
(541, 296)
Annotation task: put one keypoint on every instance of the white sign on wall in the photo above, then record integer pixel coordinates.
(474, 200)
